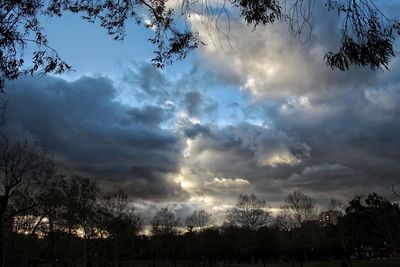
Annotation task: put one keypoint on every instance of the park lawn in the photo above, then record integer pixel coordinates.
(356, 263)
(359, 263)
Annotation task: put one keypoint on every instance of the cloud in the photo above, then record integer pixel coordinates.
(259, 145)
(269, 63)
(305, 126)
(197, 104)
(90, 133)
(228, 184)
(335, 169)
(326, 176)
(267, 116)
(222, 162)
(147, 80)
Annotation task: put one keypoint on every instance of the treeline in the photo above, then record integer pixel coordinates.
(57, 220)
(46, 217)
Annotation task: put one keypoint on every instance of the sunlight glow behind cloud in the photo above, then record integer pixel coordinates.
(252, 113)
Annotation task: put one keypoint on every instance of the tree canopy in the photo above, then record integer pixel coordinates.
(249, 212)
(367, 34)
(297, 209)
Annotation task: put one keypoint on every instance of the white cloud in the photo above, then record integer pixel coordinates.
(279, 158)
(227, 183)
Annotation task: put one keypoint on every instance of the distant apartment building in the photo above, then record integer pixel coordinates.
(329, 217)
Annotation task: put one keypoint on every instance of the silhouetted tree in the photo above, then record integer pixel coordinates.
(367, 34)
(249, 212)
(266, 247)
(24, 172)
(372, 221)
(81, 215)
(297, 208)
(120, 223)
(164, 223)
(20, 26)
(164, 227)
(48, 216)
(42, 234)
(198, 224)
(210, 244)
(337, 205)
(199, 220)
(297, 213)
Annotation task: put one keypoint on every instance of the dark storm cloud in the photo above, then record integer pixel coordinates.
(148, 115)
(358, 129)
(338, 156)
(193, 102)
(147, 81)
(148, 209)
(329, 133)
(92, 134)
(149, 85)
(334, 134)
(191, 130)
(197, 104)
(244, 158)
(336, 144)
(354, 140)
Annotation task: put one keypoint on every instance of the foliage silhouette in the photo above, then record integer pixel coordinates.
(249, 212)
(298, 217)
(297, 209)
(367, 34)
(199, 220)
(119, 222)
(24, 172)
(53, 219)
(116, 241)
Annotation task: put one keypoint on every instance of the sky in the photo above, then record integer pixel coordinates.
(258, 113)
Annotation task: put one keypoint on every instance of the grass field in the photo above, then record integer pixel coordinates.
(356, 263)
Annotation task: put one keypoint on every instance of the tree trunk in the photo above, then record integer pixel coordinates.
(2, 256)
(3, 208)
(52, 241)
(391, 238)
(305, 254)
(343, 242)
(85, 249)
(115, 254)
(67, 246)
(154, 258)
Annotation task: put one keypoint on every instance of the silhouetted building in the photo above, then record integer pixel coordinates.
(329, 217)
